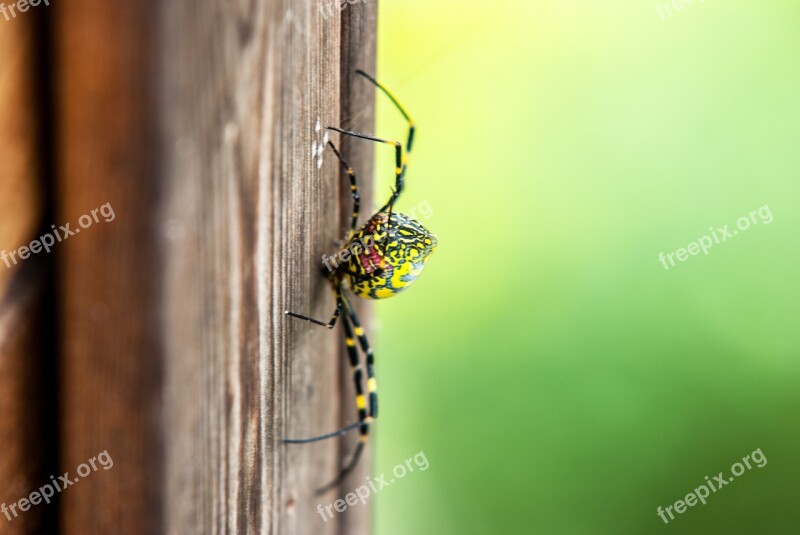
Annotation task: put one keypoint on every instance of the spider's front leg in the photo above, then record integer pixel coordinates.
(398, 157)
(403, 160)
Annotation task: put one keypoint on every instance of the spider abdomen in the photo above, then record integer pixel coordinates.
(387, 264)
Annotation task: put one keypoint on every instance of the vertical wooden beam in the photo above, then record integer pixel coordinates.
(251, 206)
(23, 390)
(109, 273)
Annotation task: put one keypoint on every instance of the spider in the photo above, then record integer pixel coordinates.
(389, 253)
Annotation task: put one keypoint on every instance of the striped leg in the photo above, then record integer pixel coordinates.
(399, 166)
(353, 188)
(401, 171)
(357, 374)
(372, 385)
(401, 161)
(398, 159)
(351, 349)
(363, 419)
(358, 377)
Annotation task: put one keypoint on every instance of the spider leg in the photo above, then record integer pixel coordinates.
(353, 188)
(358, 373)
(339, 432)
(399, 183)
(399, 166)
(337, 289)
(343, 473)
(372, 386)
(358, 380)
(401, 161)
(364, 418)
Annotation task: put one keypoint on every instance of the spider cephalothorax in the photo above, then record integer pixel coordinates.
(386, 265)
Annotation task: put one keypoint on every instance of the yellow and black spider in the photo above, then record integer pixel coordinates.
(389, 253)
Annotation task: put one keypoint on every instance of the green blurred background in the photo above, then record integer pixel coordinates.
(557, 377)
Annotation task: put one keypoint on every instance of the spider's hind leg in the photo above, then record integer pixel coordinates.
(337, 289)
(367, 404)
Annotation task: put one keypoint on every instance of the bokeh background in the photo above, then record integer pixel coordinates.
(557, 377)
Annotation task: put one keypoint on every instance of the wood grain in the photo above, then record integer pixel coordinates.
(246, 218)
(23, 393)
(200, 123)
(111, 382)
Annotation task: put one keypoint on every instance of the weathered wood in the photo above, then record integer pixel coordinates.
(109, 273)
(23, 385)
(247, 216)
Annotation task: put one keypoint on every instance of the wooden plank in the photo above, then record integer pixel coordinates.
(109, 273)
(247, 216)
(25, 388)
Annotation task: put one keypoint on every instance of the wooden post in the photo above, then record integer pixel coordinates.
(250, 207)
